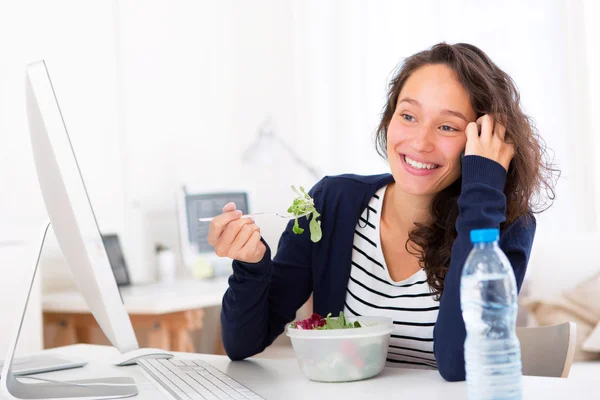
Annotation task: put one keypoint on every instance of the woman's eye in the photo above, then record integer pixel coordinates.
(447, 128)
(408, 118)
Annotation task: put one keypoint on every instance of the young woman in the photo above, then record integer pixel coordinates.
(462, 156)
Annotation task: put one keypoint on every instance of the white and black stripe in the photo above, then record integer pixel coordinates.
(366, 223)
(365, 238)
(371, 291)
(366, 257)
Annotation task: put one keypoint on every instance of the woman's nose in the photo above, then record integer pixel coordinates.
(424, 139)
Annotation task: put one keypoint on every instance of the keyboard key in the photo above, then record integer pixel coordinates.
(195, 379)
(200, 388)
(179, 363)
(154, 370)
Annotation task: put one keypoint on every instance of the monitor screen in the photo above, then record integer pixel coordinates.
(208, 205)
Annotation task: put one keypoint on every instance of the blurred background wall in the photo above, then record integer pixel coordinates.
(159, 94)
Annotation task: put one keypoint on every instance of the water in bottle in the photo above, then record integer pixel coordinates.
(488, 292)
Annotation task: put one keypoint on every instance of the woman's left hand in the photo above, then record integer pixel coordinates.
(490, 143)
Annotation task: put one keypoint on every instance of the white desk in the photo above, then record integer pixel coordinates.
(282, 379)
(156, 298)
(168, 311)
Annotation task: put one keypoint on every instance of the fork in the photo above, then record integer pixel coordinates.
(287, 216)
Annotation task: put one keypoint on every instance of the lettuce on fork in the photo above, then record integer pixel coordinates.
(322, 323)
(304, 205)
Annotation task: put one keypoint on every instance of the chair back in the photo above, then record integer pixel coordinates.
(548, 350)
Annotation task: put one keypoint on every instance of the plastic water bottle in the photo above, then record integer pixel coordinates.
(488, 292)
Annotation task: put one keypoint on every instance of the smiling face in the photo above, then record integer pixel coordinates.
(426, 134)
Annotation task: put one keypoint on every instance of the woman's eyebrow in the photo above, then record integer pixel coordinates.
(410, 101)
(447, 112)
(455, 113)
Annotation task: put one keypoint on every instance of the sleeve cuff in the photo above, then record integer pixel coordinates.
(483, 170)
(260, 270)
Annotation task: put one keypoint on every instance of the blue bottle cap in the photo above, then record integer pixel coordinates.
(485, 235)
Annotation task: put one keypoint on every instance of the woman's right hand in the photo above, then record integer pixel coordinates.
(236, 237)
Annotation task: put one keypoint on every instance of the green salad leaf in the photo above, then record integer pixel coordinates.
(338, 323)
(319, 323)
(304, 205)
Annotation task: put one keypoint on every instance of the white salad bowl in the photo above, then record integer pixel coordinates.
(343, 355)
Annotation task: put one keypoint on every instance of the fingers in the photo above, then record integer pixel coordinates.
(230, 233)
(511, 151)
(229, 207)
(472, 131)
(242, 238)
(499, 131)
(490, 127)
(486, 123)
(254, 249)
(236, 237)
(486, 138)
(220, 222)
(246, 245)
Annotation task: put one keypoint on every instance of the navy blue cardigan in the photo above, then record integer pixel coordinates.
(263, 297)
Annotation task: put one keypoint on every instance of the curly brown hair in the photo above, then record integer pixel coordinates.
(531, 176)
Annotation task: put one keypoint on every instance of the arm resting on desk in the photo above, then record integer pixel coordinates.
(482, 204)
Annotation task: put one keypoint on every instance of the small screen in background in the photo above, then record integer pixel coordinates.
(116, 259)
(209, 205)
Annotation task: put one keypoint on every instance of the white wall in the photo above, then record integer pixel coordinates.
(160, 93)
(591, 41)
(198, 80)
(199, 77)
(179, 90)
(16, 268)
(77, 41)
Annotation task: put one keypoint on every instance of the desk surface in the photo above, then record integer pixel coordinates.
(277, 379)
(158, 298)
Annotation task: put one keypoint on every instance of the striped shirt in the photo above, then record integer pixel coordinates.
(371, 291)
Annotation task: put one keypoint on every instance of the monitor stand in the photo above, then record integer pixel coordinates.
(13, 388)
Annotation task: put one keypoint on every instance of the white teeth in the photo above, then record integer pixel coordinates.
(419, 165)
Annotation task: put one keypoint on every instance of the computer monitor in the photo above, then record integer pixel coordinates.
(70, 210)
(76, 229)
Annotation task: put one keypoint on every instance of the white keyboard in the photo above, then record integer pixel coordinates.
(195, 379)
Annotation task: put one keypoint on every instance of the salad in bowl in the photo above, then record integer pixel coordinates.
(340, 349)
